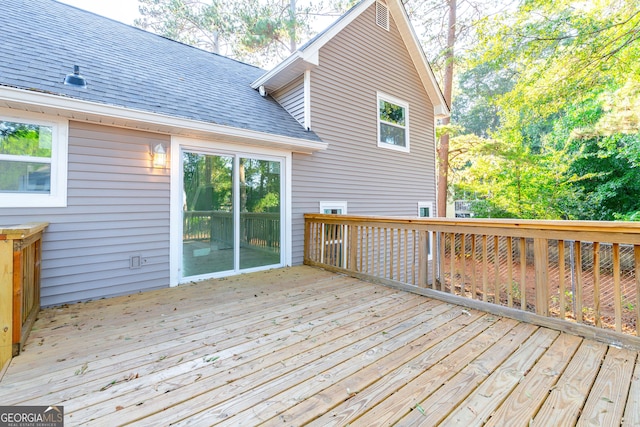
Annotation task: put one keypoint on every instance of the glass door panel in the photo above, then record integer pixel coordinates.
(260, 206)
(208, 223)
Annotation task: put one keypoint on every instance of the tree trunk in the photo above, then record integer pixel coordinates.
(443, 150)
(292, 29)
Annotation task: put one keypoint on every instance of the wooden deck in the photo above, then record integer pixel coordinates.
(302, 346)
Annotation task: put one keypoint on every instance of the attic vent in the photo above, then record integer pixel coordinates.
(382, 15)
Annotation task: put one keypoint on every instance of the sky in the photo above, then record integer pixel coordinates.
(120, 10)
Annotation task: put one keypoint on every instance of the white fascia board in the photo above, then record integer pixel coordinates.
(262, 80)
(138, 119)
(307, 99)
(310, 54)
(399, 13)
(441, 111)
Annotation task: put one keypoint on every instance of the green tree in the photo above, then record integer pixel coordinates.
(258, 31)
(568, 129)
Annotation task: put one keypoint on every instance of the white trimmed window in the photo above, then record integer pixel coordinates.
(33, 161)
(425, 209)
(393, 123)
(339, 208)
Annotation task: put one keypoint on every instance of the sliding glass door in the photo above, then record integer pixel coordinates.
(231, 213)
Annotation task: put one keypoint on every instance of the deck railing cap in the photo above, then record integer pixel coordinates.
(22, 231)
(537, 224)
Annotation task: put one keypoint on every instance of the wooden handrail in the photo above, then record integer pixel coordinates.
(573, 274)
(617, 231)
(22, 231)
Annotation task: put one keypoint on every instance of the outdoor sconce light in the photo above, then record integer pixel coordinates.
(159, 156)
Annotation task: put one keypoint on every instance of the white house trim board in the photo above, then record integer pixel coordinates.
(221, 147)
(94, 112)
(307, 99)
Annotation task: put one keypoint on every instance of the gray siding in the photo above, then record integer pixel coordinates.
(291, 97)
(360, 61)
(118, 206)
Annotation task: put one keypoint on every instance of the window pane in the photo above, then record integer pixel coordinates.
(259, 213)
(424, 212)
(391, 113)
(392, 135)
(208, 229)
(22, 139)
(24, 177)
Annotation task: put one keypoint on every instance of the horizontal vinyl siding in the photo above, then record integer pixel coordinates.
(291, 97)
(117, 206)
(355, 65)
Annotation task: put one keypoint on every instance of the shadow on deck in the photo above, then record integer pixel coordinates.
(303, 346)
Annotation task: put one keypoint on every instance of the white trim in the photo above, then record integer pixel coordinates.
(428, 205)
(219, 147)
(175, 214)
(131, 118)
(28, 159)
(57, 196)
(287, 201)
(342, 205)
(400, 103)
(307, 99)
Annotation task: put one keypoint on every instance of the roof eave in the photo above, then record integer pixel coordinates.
(286, 71)
(105, 114)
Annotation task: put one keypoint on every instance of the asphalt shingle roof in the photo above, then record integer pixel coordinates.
(41, 41)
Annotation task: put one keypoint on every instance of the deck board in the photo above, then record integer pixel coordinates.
(520, 406)
(303, 346)
(607, 399)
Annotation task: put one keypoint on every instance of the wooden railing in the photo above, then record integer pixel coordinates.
(578, 276)
(20, 258)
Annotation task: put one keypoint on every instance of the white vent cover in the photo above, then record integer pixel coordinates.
(382, 15)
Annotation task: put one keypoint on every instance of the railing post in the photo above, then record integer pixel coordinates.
(353, 247)
(541, 263)
(441, 253)
(6, 302)
(307, 240)
(577, 296)
(18, 290)
(423, 259)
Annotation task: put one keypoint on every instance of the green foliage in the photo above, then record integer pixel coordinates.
(391, 113)
(474, 108)
(565, 126)
(23, 139)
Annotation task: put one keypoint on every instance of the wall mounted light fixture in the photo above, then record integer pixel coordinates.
(159, 156)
